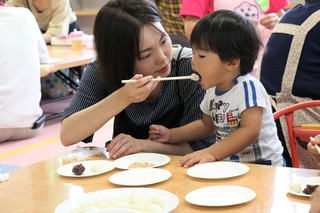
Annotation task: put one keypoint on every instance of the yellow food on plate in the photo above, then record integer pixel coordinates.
(141, 165)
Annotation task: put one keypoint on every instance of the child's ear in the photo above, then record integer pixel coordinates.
(233, 64)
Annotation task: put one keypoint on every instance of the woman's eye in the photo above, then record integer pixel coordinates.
(145, 56)
(164, 41)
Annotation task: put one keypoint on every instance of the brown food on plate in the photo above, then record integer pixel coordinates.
(141, 165)
(78, 169)
(310, 189)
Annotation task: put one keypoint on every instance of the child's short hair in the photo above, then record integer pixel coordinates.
(230, 35)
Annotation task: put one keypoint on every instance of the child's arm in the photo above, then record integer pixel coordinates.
(195, 130)
(248, 132)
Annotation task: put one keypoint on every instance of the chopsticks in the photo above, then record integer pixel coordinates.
(193, 77)
(316, 145)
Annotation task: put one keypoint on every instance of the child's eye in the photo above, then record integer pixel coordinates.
(202, 56)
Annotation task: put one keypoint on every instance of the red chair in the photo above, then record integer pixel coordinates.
(298, 134)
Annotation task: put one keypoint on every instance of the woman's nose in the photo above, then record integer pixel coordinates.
(161, 57)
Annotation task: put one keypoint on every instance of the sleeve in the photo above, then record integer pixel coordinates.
(60, 18)
(205, 104)
(276, 5)
(197, 8)
(91, 90)
(252, 93)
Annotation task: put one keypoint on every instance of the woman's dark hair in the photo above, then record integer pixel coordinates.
(117, 32)
(230, 35)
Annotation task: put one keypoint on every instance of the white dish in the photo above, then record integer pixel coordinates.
(296, 187)
(92, 167)
(154, 158)
(140, 177)
(217, 170)
(119, 197)
(220, 196)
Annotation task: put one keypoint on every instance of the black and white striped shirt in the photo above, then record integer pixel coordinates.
(177, 104)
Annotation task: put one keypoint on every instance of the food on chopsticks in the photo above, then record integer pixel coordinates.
(135, 201)
(310, 189)
(78, 169)
(193, 77)
(141, 165)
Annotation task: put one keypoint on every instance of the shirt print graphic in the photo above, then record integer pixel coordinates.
(248, 10)
(226, 118)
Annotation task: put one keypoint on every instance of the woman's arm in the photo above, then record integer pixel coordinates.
(90, 109)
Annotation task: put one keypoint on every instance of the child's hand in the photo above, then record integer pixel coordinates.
(159, 133)
(269, 20)
(201, 156)
(311, 147)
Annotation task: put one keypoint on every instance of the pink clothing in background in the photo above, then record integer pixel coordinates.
(248, 8)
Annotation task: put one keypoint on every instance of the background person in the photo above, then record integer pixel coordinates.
(133, 44)
(289, 68)
(265, 15)
(55, 18)
(22, 51)
(172, 21)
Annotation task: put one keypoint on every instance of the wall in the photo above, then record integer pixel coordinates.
(86, 10)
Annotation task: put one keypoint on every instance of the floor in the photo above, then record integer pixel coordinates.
(15, 154)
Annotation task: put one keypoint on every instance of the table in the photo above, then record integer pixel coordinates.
(38, 188)
(68, 58)
(63, 57)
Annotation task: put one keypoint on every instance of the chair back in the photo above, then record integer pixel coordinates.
(298, 134)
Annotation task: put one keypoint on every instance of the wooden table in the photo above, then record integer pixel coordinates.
(38, 188)
(63, 57)
(70, 58)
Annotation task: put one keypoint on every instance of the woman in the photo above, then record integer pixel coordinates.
(131, 43)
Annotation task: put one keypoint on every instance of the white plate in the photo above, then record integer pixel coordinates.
(154, 158)
(217, 170)
(220, 196)
(140, 177)
(113, 210)
(120, 197)
(92, 167)
(296, 187)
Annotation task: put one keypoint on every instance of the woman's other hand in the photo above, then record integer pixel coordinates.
(123, 145)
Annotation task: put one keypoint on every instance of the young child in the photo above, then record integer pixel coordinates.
(236, 106)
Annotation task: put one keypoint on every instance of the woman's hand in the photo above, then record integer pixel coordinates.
(269, 20)
(201, 156)
(123, 145)
(140, 89)
(159, 133)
